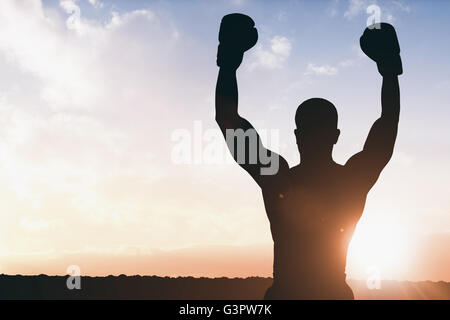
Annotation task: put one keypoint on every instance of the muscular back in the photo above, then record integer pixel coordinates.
(313, 214)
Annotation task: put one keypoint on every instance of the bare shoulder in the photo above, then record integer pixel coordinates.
(361, 171)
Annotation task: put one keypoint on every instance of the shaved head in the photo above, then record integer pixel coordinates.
(316, 113)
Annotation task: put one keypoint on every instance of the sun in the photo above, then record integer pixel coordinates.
(384, 247)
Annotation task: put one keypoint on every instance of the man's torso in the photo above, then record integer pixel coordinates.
(312, 216)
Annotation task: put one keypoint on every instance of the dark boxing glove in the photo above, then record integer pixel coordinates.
(381, 45)
(237, 34)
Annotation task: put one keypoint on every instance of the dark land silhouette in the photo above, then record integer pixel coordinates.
(188, 288)
(313, 207)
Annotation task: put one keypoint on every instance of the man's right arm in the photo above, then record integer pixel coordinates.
(238, 34)
(227, 100)
(259, 162)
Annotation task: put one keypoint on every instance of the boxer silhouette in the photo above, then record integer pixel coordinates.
(313, 208)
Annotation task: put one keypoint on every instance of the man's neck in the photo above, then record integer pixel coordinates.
(316, 161)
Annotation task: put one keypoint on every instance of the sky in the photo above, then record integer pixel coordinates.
(97, 96)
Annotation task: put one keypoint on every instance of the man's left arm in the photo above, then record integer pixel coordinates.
(378, 148)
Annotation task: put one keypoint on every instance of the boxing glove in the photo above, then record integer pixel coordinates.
(237, 34)
(381, 45)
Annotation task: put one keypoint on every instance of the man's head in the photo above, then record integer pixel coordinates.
(316, 120)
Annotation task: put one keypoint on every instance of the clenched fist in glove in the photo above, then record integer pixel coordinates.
(381, 45)
(237, 34)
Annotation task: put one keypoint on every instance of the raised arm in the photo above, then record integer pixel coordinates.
(237, 34)
(382, 46)
(227, 99)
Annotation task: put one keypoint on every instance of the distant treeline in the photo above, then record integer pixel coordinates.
(152, 287)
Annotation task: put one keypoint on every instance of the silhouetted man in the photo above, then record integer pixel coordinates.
(313, 208)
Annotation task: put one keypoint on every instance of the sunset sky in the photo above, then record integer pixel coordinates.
(94, 93)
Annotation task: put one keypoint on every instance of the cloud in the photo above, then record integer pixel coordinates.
(324, 70)
(357, 7)
(96, 3)
(347, 63)
(402, 6)
(247, 261)
(86, 115)
(69, 59)
(117, 19)
(281, 46)
(272, 58)
(329, 70)
(332, 9)
(42, 47)
(40, 224)
(238, 2)
(60, 144)
(428, 261)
